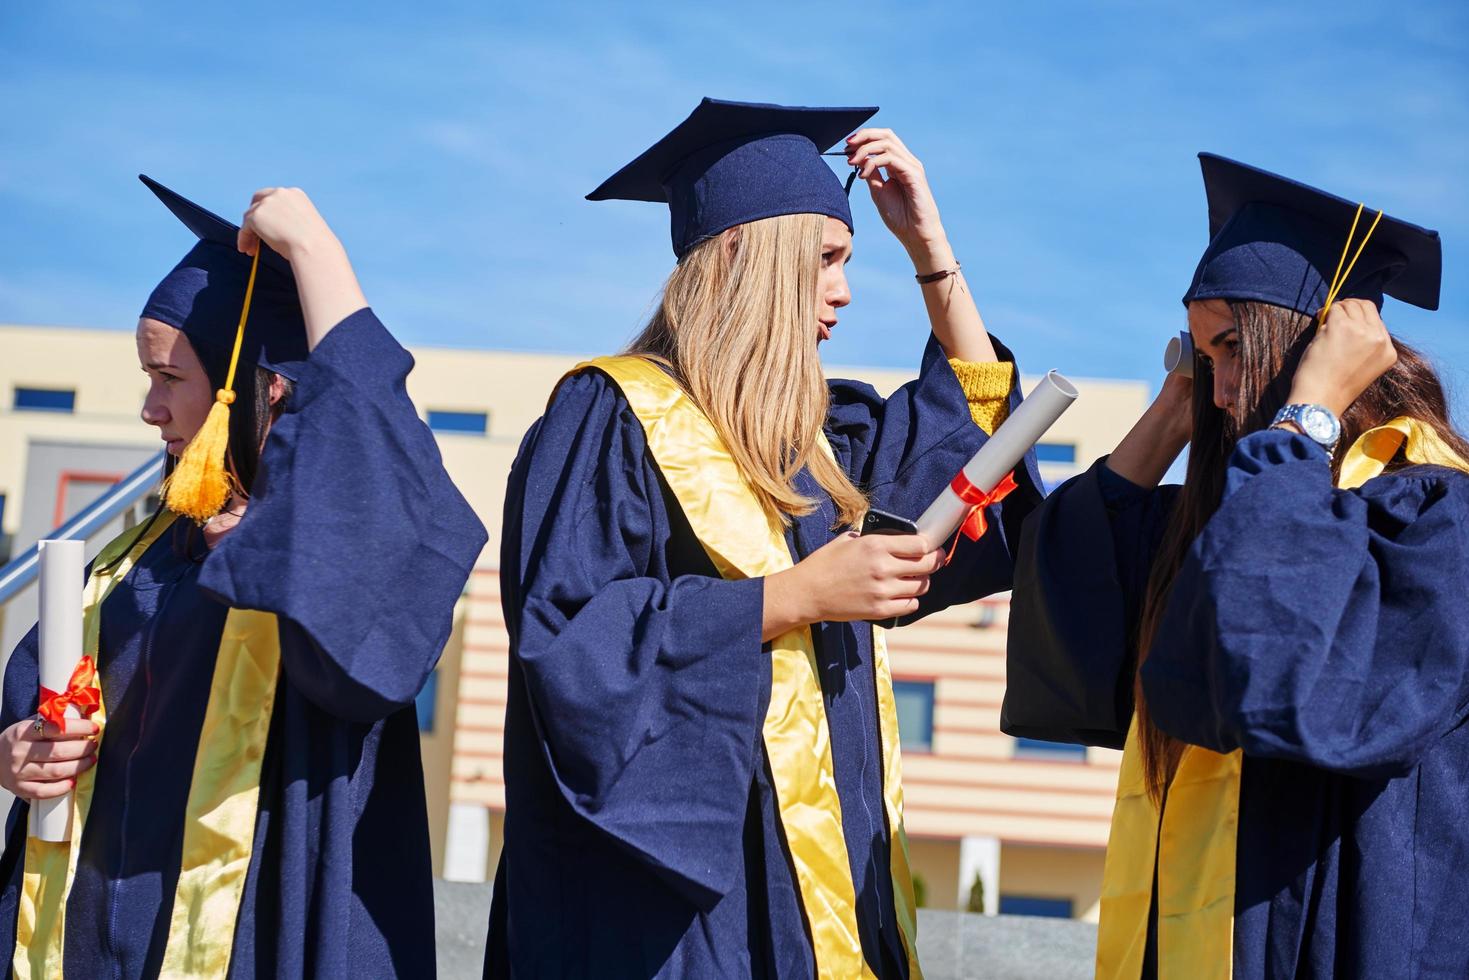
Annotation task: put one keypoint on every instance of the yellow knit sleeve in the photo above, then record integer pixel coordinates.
(986, 385)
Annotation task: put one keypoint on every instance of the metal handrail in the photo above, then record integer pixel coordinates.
(22, 571)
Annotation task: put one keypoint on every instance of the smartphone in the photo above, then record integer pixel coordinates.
(881, 522)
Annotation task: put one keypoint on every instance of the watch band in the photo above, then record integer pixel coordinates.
(1294, 414)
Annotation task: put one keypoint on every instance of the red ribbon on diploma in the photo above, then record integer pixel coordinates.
(81, 692)
(975, 523)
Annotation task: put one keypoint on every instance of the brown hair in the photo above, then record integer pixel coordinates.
(736, 326)
(1272, 340)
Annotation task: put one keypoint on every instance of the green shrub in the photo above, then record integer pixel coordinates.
(976, 895)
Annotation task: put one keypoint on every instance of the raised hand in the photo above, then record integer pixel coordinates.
(1351, 349)
(899, 189)
(285, 219)
(1155, 440)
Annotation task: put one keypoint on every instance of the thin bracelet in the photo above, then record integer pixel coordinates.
(936, 276)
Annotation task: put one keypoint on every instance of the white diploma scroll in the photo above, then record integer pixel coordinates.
(1000, 454)
(1178, 356)
(62, 564)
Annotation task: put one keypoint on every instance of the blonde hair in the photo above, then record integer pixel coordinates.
(736, 325)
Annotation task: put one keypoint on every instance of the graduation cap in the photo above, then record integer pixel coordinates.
(204, 294)
(1281, 242)
(733, 162)
(223, 299)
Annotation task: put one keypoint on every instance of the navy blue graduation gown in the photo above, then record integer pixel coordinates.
(1325, 633)
(641, 830)
(359, 542)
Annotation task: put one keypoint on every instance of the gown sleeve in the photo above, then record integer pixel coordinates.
(1322, 626)
(646, 688)
(20, 699)
(903, 451)
(1083, 566)
(22, 693)
(355, 537)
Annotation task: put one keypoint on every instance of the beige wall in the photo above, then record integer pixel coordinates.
(972, 783)
(100, 365)
(1033, 871)
(480, 720)
(937, 862)
(438, 745)
(1053, 872)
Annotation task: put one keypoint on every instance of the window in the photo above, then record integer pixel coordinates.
(426, 701)
(1055, 452)
(45, 400)
(463, 423)
(915, 714)
(76, 490)
(1035, 748)
(1053, 908)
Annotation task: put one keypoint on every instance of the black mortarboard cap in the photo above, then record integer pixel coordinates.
(1279, 241)
(733, 162)
(204, 293)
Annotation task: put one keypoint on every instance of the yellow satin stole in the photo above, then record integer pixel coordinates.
(219, 824)
(1194, 844)
(743, 543)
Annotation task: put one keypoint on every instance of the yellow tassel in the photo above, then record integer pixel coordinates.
(1339, 280)
(199, 487)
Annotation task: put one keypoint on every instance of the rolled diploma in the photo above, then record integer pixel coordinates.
(1178, 356)
(62, 563)
(1000, 454)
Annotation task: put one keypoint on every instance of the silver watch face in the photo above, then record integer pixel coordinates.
(1320, 425)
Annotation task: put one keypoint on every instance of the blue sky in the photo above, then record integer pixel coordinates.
(450, 146)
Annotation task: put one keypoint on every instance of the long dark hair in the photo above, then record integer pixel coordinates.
(1272, 341)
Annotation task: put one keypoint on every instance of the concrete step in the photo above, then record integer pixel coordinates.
(952, 945)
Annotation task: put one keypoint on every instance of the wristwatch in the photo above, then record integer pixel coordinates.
(1318, 423)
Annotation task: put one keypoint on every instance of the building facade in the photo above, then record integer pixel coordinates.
(994, 823)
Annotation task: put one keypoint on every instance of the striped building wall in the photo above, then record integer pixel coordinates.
(479, 714)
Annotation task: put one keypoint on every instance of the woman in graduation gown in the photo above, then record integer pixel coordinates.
(1280, 646)
(701, 759)
(252, 804)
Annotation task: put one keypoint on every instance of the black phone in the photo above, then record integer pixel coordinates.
(881, 522)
